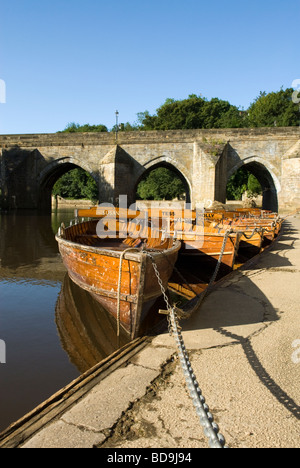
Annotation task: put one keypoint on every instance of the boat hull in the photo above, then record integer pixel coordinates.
(99, 270)
(209, 246)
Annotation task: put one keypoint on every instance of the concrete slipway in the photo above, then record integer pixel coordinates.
(244, 346)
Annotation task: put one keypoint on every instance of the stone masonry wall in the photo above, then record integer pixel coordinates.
(29, 164)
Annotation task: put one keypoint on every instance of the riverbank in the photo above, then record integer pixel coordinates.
(243, 346)
(58, 203)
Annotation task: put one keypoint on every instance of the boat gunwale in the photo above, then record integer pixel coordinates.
(130, 255)
(205, 234)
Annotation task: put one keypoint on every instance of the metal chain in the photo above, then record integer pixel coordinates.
(164, 293)
(213, 278)
(211, 429)
(157, 274)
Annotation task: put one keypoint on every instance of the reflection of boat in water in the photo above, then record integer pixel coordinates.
(119, 272)
(87, 331)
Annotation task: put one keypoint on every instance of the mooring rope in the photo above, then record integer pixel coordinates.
(131, 249)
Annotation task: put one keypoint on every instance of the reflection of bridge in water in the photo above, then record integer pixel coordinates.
(28, 249)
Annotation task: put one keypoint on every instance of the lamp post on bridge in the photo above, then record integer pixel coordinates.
(117, 124)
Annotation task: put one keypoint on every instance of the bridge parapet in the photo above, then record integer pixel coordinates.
(30, 164)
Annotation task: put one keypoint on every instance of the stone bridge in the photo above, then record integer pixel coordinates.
(204, 159)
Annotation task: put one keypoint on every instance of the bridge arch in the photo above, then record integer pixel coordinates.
(168, 163)
(51, 173)
(265, 174)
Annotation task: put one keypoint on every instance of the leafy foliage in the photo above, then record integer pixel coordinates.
(125, 127)
(73, 127)
(76, 184)
(194, 112)
(267, 110)
(161, 184)
(253, 186)
(241, 181)
(274, 109)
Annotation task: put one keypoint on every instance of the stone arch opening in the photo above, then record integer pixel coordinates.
(50, 175)
(268, 181)
(173, 170)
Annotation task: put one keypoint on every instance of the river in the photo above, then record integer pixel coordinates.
(51, 329)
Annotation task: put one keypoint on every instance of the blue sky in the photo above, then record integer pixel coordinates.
(78, 61)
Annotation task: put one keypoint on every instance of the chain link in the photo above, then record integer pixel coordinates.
(157, 274)
(213, 278)
(211, 429)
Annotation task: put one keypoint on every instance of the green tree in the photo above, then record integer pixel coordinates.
(253, 185)
(76, 184)
(237, 185)
(241, 181)
(161, 184)
(73, 127)
(125, 127)
(193, 112)
(274, 109)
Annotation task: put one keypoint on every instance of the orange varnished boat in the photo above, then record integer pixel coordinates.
(207, 242)
(203, 248)
(198, 258)
(197, 240)
(269, 227)
(251, 240)
(118, 272)
(240, 213)
(202, 235)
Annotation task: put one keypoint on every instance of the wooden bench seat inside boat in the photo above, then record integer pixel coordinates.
(128, 235)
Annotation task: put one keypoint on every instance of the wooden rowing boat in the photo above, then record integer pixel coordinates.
(258, 227)
(206, 243)
(246, 234)
(118, 271)
(254, 236)
(237, 212)
(202, 237)
(193, 215)
(197, 240)
(268, 227)
(202, 249)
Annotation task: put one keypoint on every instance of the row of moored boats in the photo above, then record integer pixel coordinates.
(111, 254)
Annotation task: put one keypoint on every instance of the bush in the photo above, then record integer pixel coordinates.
(76, 184)
(241, 182)
(161, 184)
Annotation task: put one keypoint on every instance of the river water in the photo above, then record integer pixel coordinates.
(52, 330)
